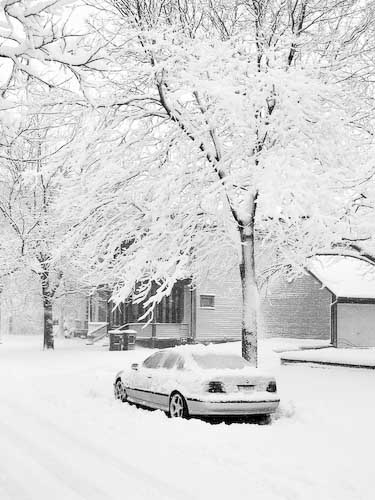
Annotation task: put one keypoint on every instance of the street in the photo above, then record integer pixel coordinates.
(63, 436)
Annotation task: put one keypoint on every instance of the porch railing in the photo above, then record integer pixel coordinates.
(162, 330)
(96, 332)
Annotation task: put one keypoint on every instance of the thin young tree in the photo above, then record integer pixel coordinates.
(41, 46)
(31, 168)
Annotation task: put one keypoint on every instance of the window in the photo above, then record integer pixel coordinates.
(99, 305)
(207, 301)
(154, 361)
(173, 360)
(169, 310)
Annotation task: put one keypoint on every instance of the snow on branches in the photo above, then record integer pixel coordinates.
(42, 41)
(216, 128)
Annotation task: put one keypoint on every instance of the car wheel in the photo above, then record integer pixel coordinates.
(120, 391)
(177, 406)
(264, 419)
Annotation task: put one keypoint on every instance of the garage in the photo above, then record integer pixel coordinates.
(351, 281)
(355, 324)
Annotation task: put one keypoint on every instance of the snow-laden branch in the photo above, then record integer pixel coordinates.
(40, 41)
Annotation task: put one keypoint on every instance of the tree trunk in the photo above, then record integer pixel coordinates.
(48, 342)
(250, 296)
(61, 317)
(0, 315)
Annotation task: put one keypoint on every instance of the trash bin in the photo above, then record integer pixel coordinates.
(129, 340)
(122, 340)
(115, 340)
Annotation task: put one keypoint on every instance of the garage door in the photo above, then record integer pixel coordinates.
(355, 325)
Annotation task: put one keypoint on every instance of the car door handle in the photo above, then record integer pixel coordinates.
(149, 376)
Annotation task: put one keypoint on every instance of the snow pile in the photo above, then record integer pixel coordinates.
(281, 344)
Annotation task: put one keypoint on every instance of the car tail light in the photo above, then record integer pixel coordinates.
(271, 386)
(215, 386)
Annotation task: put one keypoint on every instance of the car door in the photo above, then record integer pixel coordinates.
(164, 380)
(143, 380)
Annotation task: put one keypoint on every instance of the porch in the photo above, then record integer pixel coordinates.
(173, 322)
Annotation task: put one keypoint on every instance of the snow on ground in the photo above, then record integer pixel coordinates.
(361, 357)
(281, 344)
(63, 436)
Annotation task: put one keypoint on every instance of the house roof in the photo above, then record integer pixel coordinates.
(345, 276)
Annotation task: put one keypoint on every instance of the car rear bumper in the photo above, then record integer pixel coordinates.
(197, 407)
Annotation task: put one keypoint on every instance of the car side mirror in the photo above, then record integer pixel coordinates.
(134, 366)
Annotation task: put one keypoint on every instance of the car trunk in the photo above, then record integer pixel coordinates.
(240, 383)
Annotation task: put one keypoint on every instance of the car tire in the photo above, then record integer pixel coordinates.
(264, 419)
(177, 406)
(120, 391)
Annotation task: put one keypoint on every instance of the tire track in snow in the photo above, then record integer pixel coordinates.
(21, 475)
(66, 474)
(10, 487)
(146, 484)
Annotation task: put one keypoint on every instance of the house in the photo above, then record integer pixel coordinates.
(334, 300)
(209, 312)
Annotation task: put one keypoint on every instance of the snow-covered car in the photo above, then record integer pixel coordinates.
(197, 380)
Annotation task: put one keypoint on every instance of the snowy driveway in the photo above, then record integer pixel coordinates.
(63, 436)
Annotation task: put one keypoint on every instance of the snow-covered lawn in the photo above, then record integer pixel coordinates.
(354, 357)
(64, 437)
(282, 344)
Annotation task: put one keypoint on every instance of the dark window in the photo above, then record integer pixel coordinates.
(207, 301)
(154, 361)
(169, 310)
(99, 305)
(117, 315)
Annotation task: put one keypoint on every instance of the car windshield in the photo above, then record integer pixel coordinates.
(154, 361)
(220, 361)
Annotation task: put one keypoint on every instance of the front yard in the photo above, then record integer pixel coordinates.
(63, 436)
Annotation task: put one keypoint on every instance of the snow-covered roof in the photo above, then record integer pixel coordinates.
(345, 276)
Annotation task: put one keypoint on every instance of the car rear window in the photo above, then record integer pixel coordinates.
(220, 361)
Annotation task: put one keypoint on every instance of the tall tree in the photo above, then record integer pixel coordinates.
(218, 124)
(41, 46)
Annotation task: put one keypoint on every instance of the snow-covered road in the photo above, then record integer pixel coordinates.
(63, 436)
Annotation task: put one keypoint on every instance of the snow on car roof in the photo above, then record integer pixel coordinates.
(191, 351)
(345, 276)
(201, 349)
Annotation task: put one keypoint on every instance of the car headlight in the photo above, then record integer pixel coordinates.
(215, 386)
(271, 386)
